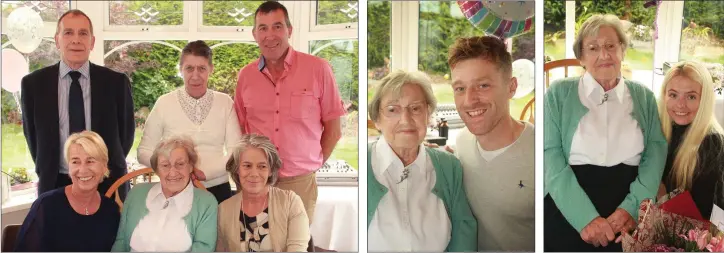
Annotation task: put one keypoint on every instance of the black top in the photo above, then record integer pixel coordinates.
(53, 225)
(707, 188)
(255, 230)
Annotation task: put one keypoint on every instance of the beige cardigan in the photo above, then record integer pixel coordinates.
(288, 223)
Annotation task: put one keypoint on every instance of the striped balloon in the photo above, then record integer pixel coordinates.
(505, 19)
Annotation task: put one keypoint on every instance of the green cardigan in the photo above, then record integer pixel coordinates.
(563, 112)
(448, 187)
(201, 220)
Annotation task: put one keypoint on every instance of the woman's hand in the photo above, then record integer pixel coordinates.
(621, 221)
(598, 232)
(198, 175)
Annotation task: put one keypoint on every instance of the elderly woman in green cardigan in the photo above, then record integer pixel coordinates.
(173, 215)
(604, 150)
(416, 200)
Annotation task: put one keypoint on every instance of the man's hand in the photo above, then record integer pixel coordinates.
(198, 175)
(598, 232)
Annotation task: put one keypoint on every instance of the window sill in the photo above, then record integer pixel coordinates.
(20, 200)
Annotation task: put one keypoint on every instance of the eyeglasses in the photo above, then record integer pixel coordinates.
(395, 111)
(177, 166)
(596, 49)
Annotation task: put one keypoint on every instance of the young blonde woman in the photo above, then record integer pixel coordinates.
(695, 160)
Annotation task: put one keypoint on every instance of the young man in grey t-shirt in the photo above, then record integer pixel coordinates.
(496, 150)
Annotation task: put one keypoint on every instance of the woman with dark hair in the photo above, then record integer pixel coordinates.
(207, 116)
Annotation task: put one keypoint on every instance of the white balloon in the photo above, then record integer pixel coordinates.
(24, 27)
(524, 72)
(15, 67)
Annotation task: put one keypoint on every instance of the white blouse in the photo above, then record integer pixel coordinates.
(164, 228)
(608, 134)
(409, 217)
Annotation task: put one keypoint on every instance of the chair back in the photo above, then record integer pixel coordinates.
(564, 63)
(113, 190)
(529, 110)
(10, 234)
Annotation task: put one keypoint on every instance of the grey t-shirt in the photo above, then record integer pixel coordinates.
(501, 192)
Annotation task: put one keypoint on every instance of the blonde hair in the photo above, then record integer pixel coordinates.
(489, 48)
(91, 143)
(686, 158)
(591, 27)
(394, 83)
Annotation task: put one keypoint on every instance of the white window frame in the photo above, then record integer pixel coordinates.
(243, 32)
(107, 26)
(314, 27)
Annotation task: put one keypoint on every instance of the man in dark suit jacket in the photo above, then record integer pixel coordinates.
(75, 95)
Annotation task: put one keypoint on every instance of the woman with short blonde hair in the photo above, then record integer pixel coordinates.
(171, 215)
(604, 149)
(442, 219)
(75, 217)
(695, 159)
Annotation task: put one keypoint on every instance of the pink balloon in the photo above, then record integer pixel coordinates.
(15, 67)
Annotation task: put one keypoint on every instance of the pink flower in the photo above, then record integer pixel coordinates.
(698, 236)
(716, 245)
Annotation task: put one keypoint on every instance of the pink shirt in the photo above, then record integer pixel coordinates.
(290, 112)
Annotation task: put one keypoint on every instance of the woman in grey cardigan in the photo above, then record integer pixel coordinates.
(604, 149)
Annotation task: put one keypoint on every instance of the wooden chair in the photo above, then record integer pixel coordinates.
(565, 63)
(529, 109)
(131, 176)
(10, 234)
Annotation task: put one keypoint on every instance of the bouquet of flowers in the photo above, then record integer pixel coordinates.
(673, 224)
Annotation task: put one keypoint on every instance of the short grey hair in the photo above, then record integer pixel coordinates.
(590, 28)
(394, 82)
(165, 147)
(260, 142)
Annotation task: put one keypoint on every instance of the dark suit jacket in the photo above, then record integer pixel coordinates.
(111, 117)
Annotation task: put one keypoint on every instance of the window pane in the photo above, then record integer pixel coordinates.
(441, 22)
(702, 36)
(337, 12)
(554, 30)
(343, 56)
(378, 41)
(146, 12)
(50, 11)
(15, 154)
(638, 63)
(229, 13)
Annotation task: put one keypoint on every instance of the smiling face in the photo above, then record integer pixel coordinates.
(254, 170)
(683, 97)
(403, 118)
(174, 171)
(602, 54)
(74, 40)
(85, 171)
(482, 94)
(272, 34)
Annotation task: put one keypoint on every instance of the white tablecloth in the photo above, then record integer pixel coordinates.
(335, 224)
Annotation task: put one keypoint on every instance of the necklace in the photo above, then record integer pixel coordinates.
(86, 204)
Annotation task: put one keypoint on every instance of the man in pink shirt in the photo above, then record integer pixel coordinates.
(292, 98)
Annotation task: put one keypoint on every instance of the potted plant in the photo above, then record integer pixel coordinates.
(20, 179)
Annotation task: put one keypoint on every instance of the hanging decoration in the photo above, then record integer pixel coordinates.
(524, 71)
(24, 27)
(15, 67)
(505, 19)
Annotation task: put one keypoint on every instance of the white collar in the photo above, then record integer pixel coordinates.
(181, 202)
(593, 89)
(386, 159)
